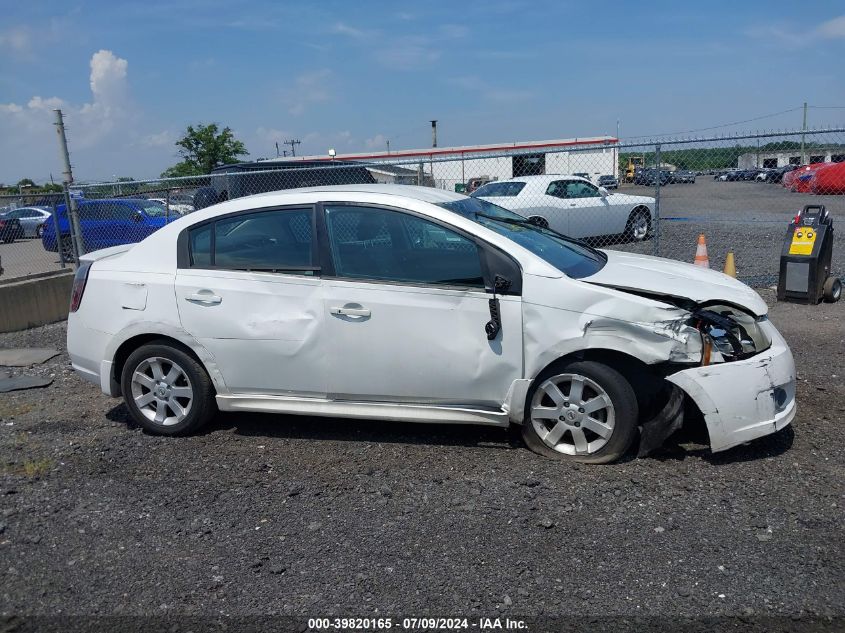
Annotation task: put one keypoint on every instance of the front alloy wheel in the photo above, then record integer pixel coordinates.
(582, 411)
(572, 414)
(638, 226)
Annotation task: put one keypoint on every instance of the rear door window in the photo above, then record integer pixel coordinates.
(272, 241)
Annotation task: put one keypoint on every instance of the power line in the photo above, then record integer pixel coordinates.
(724, 125)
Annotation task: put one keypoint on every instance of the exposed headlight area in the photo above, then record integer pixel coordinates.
(729, 333)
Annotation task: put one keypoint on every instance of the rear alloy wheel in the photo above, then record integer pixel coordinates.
(166, 390)
(583, 411)
(638, 227)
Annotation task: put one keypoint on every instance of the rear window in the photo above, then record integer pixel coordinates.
(500, 189)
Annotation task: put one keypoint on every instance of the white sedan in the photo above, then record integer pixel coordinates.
(408, 303)
(573, 206)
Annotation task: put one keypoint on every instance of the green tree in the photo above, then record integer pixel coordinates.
(203, 148)
(26, 182)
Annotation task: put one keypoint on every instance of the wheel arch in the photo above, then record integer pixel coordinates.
(130, 344)
(646, 380)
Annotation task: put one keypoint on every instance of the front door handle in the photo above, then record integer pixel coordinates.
(358, 312)
(204, 297)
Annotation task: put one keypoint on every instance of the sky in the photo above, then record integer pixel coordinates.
(130, 76)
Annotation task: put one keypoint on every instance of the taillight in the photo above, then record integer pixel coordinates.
(79, 281)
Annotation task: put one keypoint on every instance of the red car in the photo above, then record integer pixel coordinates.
(800, 180)
(829, 180)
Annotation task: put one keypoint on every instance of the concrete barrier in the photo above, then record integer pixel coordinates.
(38, 300)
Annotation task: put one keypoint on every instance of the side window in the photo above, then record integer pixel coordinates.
(200, 245)
(372, 243)
(579, 189)
(88, 211)
(121, 211)
(274, 241)
(557, 189)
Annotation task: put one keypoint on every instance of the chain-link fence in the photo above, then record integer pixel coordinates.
(652, 197)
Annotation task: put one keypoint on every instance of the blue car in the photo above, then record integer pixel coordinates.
(106, 223)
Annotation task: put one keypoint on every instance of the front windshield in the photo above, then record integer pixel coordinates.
(572, 257)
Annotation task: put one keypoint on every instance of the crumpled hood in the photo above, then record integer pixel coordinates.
(658, 276)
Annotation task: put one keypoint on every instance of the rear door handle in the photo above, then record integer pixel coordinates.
(204, 297)
(359, 312)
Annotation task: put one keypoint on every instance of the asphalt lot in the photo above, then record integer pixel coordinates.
(748, 218)
(26, 257)
(266, 515)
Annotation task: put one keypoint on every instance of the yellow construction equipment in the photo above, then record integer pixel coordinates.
(634, 162)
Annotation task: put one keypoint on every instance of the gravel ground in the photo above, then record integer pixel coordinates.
(285, 515)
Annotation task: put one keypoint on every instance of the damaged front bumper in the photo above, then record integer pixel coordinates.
(744, 399)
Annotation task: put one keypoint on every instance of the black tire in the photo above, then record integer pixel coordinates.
(39, 231)
(66, 246)
(622, 396)
(202, 404)
(632, 231)
(539, 220)
(832, 290)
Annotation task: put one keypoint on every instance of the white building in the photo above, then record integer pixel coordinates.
(772, 160)
(451, 166)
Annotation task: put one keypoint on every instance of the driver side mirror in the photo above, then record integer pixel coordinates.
(137, 217)
(603, 192)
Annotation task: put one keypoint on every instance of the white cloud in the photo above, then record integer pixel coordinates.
(379, 141)
(455, 31)
(832, 29)
(341, 28)
(409, 53)
(103, 133)
(17, 40)
(160, 139)
(491, 92)
(309, 88)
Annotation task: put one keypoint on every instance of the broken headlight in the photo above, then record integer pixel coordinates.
(730, 334)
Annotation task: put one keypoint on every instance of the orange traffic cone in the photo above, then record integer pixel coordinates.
(701, 258)
(730, 265)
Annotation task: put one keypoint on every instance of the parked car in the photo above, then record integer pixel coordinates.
(574, 206)
(10, 229)
(683, 176)
(417, 304)
(608, 182)
(32, 219)
(730, 175)
(105, 223)
(648, 177)
(175, 205)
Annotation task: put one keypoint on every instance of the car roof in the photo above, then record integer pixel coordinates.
(423, 200)
(544, 178)
(425, 194)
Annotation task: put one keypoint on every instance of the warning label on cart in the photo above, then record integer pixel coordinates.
(802, 242)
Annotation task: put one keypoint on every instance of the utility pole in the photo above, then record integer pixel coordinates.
(293, 143)
(277, 149)
(388, 145)
(70, 202)
(803, 131)
(433, 144)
